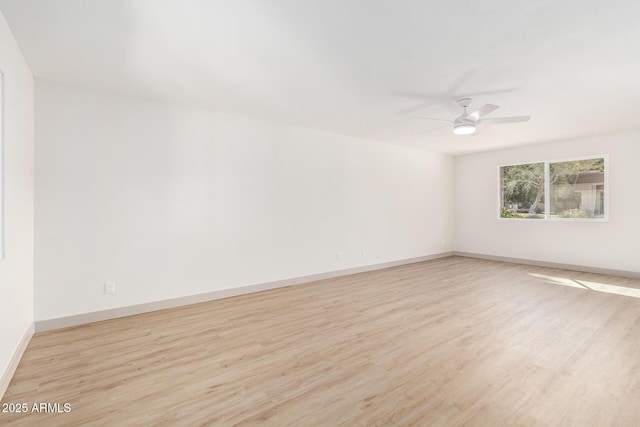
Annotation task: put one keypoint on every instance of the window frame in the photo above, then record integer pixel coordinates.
(547, 190)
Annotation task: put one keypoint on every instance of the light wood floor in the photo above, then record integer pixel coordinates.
(455, 341)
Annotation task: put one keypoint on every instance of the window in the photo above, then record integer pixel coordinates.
(523, 191)
(567, 189)
(577, 189)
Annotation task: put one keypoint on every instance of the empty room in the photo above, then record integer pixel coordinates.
(319, 213)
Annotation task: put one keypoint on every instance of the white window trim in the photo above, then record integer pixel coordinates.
(547, 190)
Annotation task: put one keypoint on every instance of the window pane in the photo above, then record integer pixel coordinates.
(577, 189)
(522, 191)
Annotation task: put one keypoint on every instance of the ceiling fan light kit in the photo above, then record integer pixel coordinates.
(467, 123)
(464, 129)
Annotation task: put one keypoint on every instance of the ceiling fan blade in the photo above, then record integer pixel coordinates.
(416, 95)
(432, 118)
(429, 130)
(427, 99)
(482, 111)
(506, 119)
(489, 92)
(413, 109)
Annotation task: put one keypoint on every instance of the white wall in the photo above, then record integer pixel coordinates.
(16, 270)
(170, 201)
(612, 245)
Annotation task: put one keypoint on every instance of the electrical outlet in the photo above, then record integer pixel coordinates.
(338, 256)
(364, 253)
(110, 288)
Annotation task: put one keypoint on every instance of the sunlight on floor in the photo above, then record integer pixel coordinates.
(593, 286)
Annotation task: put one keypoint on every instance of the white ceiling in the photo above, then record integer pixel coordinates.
(355, 67)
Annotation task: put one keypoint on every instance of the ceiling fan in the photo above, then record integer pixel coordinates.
(467, 123)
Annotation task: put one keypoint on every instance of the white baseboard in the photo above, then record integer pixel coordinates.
(15, 360)
(96, 316)
(586, 269)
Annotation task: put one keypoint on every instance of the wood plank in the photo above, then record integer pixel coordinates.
(452, 341)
